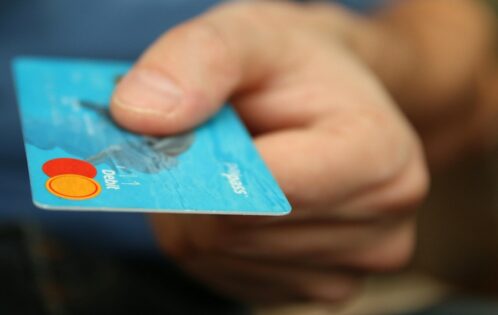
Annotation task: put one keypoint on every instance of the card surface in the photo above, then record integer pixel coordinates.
(78, 159)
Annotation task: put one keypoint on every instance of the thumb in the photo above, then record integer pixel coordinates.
(188, 73)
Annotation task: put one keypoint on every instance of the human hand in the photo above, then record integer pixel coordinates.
(345, 156)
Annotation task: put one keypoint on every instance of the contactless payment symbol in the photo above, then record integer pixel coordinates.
(71, 179)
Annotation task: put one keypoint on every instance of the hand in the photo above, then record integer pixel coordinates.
(343, 153)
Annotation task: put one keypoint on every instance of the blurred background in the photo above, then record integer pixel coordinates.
(100, 263)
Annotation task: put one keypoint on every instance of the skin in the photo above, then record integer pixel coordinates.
(347, 112)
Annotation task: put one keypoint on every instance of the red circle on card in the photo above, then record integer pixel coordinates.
(62, 166)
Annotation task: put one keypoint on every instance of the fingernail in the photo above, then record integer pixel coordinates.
(147, 91)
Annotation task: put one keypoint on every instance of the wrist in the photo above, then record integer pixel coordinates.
(429, 54)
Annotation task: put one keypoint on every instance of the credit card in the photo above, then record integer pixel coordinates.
(80, 160)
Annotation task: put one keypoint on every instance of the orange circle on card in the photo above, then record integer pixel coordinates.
(73, 186)
(69, 166)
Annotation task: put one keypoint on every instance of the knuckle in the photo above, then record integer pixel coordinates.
(387, 143)
(396, 173)
(391, 254)
(417, 187)
(396, 253)
(396, 260)
(408, 190)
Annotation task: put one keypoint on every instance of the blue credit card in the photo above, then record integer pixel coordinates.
(78, 159)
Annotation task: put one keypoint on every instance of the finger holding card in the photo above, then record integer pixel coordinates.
(79, 159)
(347, 159)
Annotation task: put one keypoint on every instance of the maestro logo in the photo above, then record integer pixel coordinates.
(71, 179)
